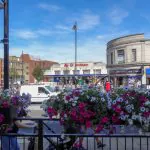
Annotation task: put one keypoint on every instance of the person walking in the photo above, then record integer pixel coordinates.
(107, 86)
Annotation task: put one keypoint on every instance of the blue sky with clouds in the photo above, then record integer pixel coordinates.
(43, 28)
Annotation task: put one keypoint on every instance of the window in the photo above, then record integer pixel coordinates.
(66, 72)
(120, 56)
(133, 55)
(57, 72)
(111, 57)
(97, 71)
(42, 90)
(77, 72)
(86, 71)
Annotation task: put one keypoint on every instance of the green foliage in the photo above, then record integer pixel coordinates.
(38, 73)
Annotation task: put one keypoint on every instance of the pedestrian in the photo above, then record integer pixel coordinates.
(10, 142)
(107, 86)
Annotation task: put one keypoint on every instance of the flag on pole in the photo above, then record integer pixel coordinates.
(74, 26)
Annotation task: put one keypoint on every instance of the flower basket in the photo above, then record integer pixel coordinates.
(6, 118)
(9, 114)
(91, 107)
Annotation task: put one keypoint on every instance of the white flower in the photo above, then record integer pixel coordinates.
(142, 109)
(73, 104)
(114, 102)
(65, 115)
(128, 107)
(123, 117)
(75, 101)
(132, 106)
(121, 99)
(103, 99)
(71, 99)
(66, 101)
(134, 117)
(129, 110)
(76, 98)
(147, 103)
(130, 121)
(93, 99)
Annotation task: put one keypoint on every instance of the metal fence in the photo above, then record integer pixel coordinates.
(45, 138)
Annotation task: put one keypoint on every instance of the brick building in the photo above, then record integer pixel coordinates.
(33, 62)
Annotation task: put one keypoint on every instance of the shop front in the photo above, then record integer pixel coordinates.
(126, 77)
(148, 76)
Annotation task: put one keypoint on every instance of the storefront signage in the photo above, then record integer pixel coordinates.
(147, 71)
(130, 71)
(71, 65)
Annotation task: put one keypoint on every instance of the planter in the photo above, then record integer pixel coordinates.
(9, 114)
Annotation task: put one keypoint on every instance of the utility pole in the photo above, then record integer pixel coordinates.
(75, 63)
(6, 43)
(22, 80)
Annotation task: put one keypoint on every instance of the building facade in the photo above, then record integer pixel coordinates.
(18, 70)
(34, 62)
(128, 60)
(66, 71)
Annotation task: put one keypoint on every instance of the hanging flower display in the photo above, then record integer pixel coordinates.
(92, 108)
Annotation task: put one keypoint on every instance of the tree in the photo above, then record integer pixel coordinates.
(38, 73)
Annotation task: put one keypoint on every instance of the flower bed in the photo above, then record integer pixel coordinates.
(92, 108)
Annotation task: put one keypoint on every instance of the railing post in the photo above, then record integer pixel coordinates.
(40, 135)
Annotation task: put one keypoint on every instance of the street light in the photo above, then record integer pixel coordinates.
(75, 66)
(4, 4)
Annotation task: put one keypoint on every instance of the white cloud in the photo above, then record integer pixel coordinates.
(86, 20)
(117, 15)
(146, 16)
(63, 27)
(100, 37)
(87, 51)
(48, 7)
(29, 34)
(25, 34)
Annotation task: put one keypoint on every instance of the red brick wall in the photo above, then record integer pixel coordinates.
(45, 64)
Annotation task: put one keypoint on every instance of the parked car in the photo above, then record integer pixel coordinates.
(39, 93)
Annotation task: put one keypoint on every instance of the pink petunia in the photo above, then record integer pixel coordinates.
(82, 105)
(118, 110)
(68, 97)
(99, 128)
(5, 105)
(1, 118)
(88, 124)
(104, 120)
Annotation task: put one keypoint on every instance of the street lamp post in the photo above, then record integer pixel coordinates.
(75, 63)
(22, 80)
(5, 5)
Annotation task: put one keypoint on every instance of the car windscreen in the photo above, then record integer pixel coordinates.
(50, 88)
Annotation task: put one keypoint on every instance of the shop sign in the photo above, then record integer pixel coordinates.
(71, 65)
(147, 71)
(130, 71)
(82, 65)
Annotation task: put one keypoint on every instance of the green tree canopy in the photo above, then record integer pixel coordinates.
(38, 73)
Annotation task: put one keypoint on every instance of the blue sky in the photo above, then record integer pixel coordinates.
(43, 28)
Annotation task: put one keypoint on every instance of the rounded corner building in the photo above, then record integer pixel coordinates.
(128, 60)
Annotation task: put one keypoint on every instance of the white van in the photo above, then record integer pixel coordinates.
(39, 93)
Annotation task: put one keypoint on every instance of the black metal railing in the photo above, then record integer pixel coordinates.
(59, 141)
